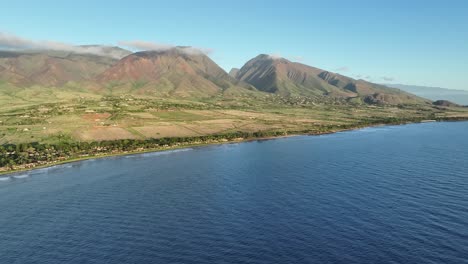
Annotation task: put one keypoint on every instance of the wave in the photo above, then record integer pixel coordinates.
(158, 153)
(59, 167)
(5, 178)
(21, 176)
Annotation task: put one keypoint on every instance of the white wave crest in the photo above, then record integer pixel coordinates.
(21, 176)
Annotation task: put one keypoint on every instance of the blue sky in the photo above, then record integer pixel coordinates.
(410, 42)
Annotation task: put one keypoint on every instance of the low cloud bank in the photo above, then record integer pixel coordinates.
(13, 42)
(140, 45)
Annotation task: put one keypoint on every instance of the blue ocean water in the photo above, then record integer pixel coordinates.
(396, 194)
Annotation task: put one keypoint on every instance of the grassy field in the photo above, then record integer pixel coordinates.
(52, 115)
(47, 126)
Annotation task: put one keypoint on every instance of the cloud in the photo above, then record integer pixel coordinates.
(9, 41)
(140, 45)
(145, 45)
(388, 79)
(12, 42)
(342, 69)
(275, 56)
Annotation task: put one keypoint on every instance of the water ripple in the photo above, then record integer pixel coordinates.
(378, 195)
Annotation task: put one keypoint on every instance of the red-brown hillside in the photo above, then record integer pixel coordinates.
(177, 71)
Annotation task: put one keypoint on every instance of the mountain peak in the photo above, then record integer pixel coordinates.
(277, 75)
(270, 57)
(174, 51)
(179, 71)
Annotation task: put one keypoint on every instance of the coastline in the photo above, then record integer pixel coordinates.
(204, 144)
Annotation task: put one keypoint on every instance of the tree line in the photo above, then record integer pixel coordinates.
(35, 153)
(12, 155)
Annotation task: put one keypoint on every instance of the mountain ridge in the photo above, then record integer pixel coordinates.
(281, 76)
(55, 67)
(171, 72)
(435, 93)
(187, 72)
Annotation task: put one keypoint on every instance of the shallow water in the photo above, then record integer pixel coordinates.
(395, 194)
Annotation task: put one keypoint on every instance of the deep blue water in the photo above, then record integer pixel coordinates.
(394, 194)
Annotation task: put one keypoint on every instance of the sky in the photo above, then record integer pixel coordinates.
(410, 42)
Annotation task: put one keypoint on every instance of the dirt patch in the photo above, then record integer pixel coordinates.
(214, 126)
(243, 113)
(166, 131)
(143, 115)
(209, 114)
(104, 133)
(255, 127)
(312, 121)
(218, 121)
(93, 117)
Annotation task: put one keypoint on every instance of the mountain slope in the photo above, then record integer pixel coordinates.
(173, 72)
(435, 93)
(233, 72)
(54, 68)
(280, 76)
(184, 72)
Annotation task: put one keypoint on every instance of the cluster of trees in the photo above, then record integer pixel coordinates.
(12, 155)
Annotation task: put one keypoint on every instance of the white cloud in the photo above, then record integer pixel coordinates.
(145, 45)
(388, 79)
(342, 69)
(275, 56)
(141, 45)
(13, 42)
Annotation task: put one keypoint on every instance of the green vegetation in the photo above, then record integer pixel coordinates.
(68, 125)
(33, 154)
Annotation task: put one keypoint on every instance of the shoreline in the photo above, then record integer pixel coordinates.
(185, 146)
